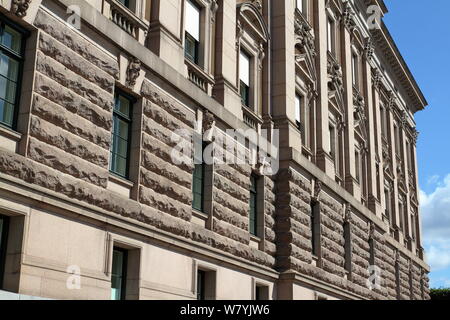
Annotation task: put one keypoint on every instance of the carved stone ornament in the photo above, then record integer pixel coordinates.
(377, 78)
(133, 71)
(317, 190)
(20, 7)
(349, 17)
(348, 213)
(369, 49)
(359, 110)
(263, 167)
(371, 230)
(208, 125)
(335, 76)
(304, 39)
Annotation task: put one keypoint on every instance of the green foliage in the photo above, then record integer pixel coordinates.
(440, 294)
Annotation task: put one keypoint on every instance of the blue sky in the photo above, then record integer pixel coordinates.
(421, 30)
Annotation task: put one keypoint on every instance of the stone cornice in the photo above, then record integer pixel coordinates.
(390, 51)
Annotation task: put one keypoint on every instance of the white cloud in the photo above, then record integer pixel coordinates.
(433, 179)
(435, 210)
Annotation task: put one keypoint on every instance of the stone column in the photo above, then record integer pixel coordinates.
(351, 184)
(166, 34)
(283, 79)
(322, 112)
(373, 200)
(226, 61)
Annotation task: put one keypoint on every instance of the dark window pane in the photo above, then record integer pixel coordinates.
(252, 204)
(6, 113)
(191, 48)
(245, 94)
(11, 39)
(118, 274)
(9, 67)
(120, 144)
(201, 285)
(197, 187)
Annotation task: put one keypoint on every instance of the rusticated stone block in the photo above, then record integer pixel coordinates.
(228, 230)
(230, 202)
(165, 204)
(155, 98)
(75, 62)
(227, 215)
(57, 137)
(231, 188)
(74, 82)
(64, 162)
(71, 101)
(166, 187)
(74, 41)
(181, 174)
(59, 116)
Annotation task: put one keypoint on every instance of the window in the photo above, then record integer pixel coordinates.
(4, 224)
(253, 215)
(298, 111)
(126, 3)
(387, 205)
(206, 284)
(333, 149)
(261, 292)
(198, 183)
(119, 274)
(397, 140)
(358, 164)
(11, 59)
(383, 115)
(301, 5)
(244, 76)
(355, 69)
(348, 247)
(201, 275)
(315, 227)
(330, 36)
(192, 31)
(121, 135)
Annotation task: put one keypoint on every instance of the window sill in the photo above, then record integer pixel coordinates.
(255, 241)
(199, 218)
(119, 185)
(9, 138)
(251, 118)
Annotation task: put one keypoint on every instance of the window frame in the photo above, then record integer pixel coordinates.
(132, 100)
(187, 36)
(253, 216)
(246, 101)
(4, 233)
(123, 289)
(331, 35)
(20, 57)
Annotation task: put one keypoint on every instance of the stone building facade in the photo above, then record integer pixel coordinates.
(93, 204)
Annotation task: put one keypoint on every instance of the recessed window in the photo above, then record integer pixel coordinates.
(253, 215)
(198, 183)
(121, 135)
(298, 110)
(192, 31)
(4, 223)
(315, 227)
(355, 69)
(358, 166)
(261, 292)
(300, 5)
(330, 35)
(206, 284)
(119, 274)
(11, 59)
(244, 75)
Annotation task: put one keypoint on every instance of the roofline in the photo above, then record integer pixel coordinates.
(401, 69)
